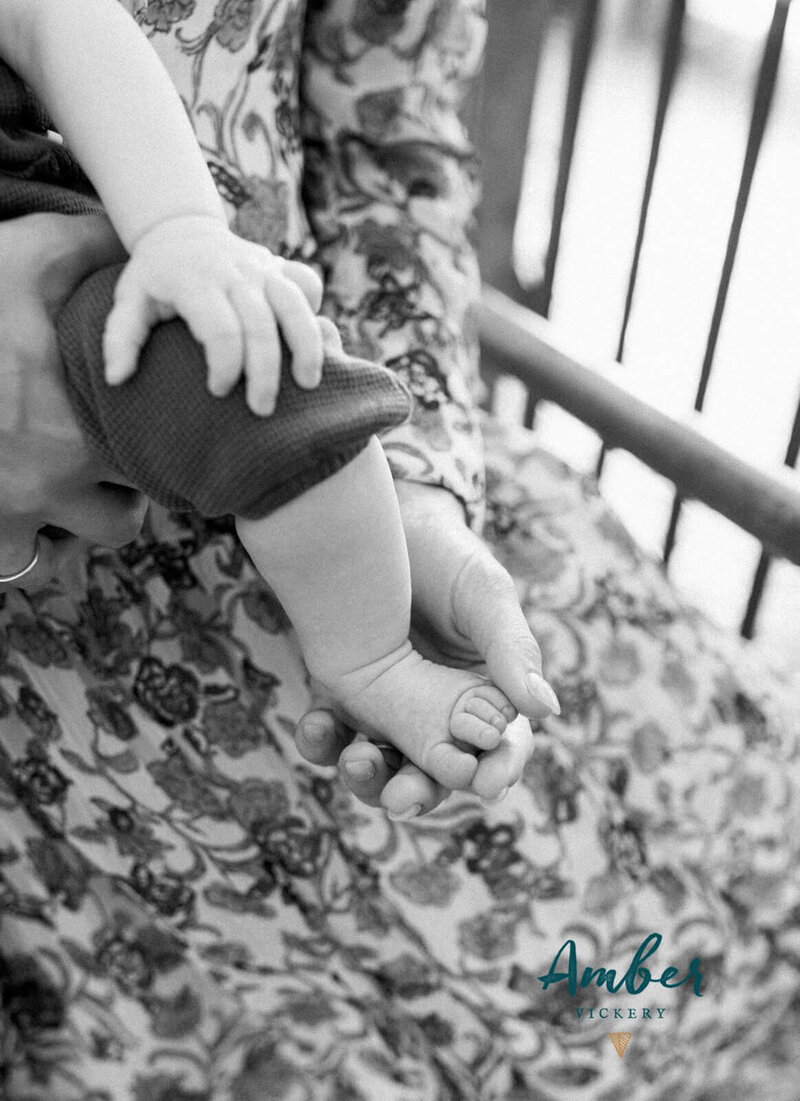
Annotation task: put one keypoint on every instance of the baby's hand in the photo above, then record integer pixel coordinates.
(233, 295)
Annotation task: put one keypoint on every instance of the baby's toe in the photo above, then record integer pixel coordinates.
(446, 763)
(497, 699)
(477, 731)
(484, 709)
(480, 716)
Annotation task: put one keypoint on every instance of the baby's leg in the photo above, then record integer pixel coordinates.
(337, 560)
(334, 552)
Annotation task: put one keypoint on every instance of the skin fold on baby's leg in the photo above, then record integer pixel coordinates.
(336, 558)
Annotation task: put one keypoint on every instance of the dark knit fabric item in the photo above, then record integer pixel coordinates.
(36, 173)
(163, 431)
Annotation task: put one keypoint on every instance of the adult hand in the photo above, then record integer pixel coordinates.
(466, 612)
(47, 476)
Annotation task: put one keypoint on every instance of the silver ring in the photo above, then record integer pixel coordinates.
(9, 579)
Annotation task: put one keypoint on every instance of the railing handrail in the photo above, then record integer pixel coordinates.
(525, 345)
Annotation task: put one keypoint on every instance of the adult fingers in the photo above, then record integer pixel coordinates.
(109, 515)
(18, 548)
(299, 327)
(320, 737)
(323, 739)
(377, 775)
(380, 776)
(55, 559)
(366, 768)
(307, 280)
(411, 793)
(262, 348)
(487, 609)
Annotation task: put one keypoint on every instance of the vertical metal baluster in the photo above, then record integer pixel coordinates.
(582, 49)
(673, 42)
(670, 59)
(747, 629)
(531, 405)
(761, 574)
(762, 102)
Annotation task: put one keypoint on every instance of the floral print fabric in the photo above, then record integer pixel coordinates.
(188, 911)
(343, 120)
(391, 188)
(191, 913)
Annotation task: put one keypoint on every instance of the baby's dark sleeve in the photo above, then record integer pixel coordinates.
(165, 434)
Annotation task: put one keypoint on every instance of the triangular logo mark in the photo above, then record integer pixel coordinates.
(620, 1040)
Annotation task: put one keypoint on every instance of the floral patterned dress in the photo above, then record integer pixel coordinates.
(188, 911)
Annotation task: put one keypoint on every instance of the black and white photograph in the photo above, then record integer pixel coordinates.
(399, 550)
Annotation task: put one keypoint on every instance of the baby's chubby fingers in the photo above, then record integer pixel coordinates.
(299, 328)
(307, 280)
(127, 328)
(262, 347)
(214, 323)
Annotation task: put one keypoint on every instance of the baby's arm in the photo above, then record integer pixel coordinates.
(118, 111)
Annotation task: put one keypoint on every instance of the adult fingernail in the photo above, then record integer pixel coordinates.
(542, 692)
(314, 733)
(360, 771)
(404, 815)
(498, 798)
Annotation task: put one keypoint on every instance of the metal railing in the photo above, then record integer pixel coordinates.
(516, 342)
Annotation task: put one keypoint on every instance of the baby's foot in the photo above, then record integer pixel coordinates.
(438, 717)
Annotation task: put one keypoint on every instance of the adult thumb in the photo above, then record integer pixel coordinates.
(500, 632)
